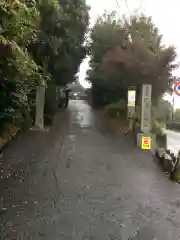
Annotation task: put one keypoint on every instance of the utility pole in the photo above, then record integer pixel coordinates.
(175, 91)
(172, 119)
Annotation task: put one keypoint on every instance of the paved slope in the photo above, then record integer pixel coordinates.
(82, 182)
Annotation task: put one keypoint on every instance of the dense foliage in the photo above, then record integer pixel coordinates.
(128, 53)
(177, 115)
(162, 112)
(59, 45)
(41, 41)
(19, 72)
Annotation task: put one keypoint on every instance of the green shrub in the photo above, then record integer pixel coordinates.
(135, 122)
(161, 138)
(116, 109)
(173, 126)
(161, 141)
(136, 127)
(157, 127)
(176, 176)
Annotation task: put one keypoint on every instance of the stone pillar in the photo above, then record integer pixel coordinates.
(145, 117)
(40, 100)
(146, 108)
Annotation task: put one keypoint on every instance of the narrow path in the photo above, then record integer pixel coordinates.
(82, 182)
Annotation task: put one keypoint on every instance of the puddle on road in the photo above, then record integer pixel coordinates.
(82, 114)
(72, 137)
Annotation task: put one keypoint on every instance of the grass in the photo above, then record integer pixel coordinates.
(8, 135)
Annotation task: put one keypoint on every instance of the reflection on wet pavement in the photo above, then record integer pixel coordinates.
(83, 182)
(82, 114)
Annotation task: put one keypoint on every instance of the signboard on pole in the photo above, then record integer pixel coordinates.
(131, 98)
(146, 143)
(146, 108)
(177, 88)
(131, 101)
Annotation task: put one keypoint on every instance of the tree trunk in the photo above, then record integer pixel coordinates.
(40, 100)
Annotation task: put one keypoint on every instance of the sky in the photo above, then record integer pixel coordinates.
(165, 15)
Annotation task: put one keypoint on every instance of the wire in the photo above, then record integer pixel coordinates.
(118, 4)
(126, 2)
(127, 7)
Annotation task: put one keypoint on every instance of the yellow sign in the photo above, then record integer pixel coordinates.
(131, 98)
(146, 143)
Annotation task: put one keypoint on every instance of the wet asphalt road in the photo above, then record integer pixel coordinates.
(80, 181)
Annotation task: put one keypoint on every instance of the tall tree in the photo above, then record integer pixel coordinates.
(106, 34)
(41, 41)
(162, 112)
(139, 57)
(59, 47)
(19, 72)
